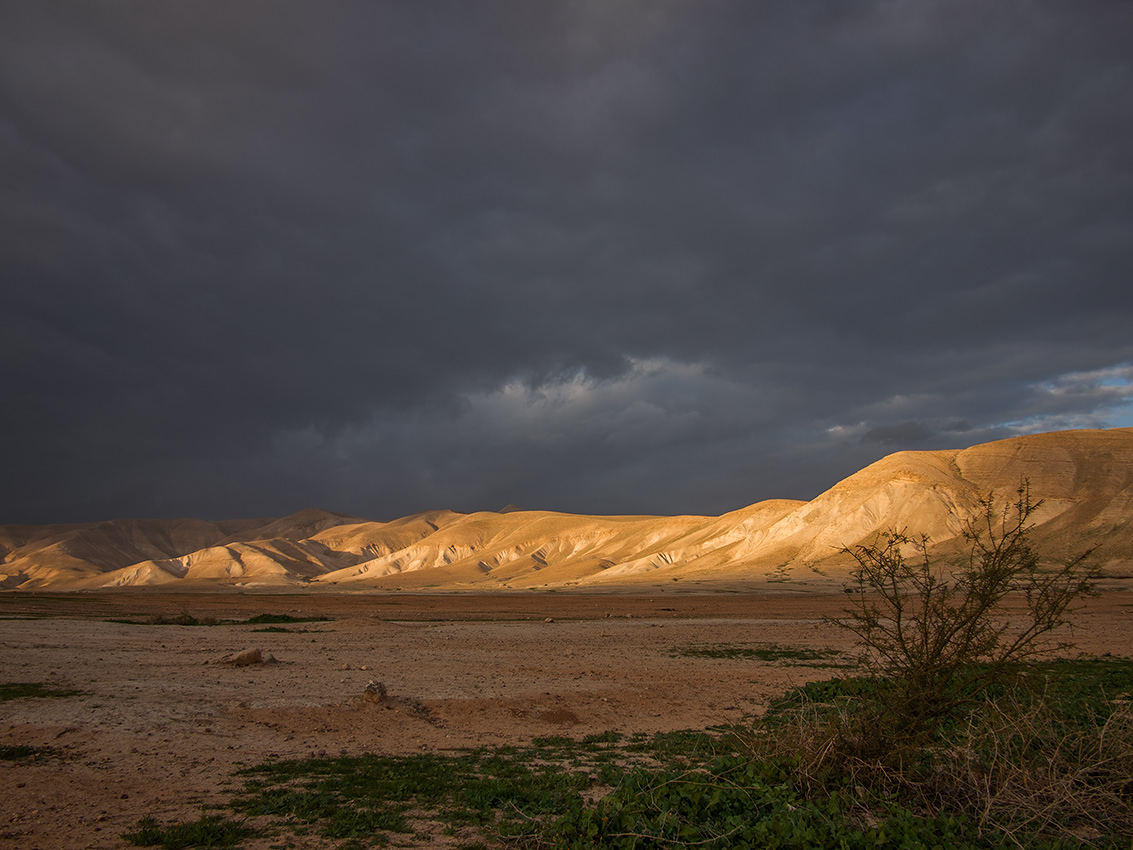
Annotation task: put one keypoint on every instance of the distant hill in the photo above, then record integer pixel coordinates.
(1084, 478)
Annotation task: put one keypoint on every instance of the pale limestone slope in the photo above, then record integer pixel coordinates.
(1085, 479)
(374, 539)
(72, 553)
(1085, 488)
(525, 547)
(715, 547)
(257, 562)
(915, 491)
(126, 552)
(536, 548)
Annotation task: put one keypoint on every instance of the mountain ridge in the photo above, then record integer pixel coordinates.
(1084, 479)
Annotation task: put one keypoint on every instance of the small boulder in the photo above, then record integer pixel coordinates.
(374, 692)
(248, 657)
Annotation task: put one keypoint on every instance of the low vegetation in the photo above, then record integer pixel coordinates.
(280, 619)
(506, 790)
(21, 752)
(213, 831)
(276, 623)
(34, 690)
(942, 635)
(502, 794)
(187, 619)
(768, 653)
(1046, 762)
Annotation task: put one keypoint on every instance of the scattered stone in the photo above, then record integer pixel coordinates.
(248, 657)
(374, 692)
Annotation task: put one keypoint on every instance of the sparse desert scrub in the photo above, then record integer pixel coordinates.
(23, 751)
(768, 652)
(957, 713)
(940, 635)
(212, 831)
(1049, 758)
(34, 690)
(1046, 766)
(507, 793)
(184, 618)
(1025, 768)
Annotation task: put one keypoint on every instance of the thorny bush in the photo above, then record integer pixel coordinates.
(941, 634)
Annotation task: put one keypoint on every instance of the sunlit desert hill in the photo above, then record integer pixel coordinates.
(1084, 479)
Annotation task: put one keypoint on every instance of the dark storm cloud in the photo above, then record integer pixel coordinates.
(905, 434)
(632, 257)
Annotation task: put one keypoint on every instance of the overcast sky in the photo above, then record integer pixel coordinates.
(599, 257)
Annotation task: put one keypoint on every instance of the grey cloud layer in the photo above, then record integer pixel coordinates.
(670, 257)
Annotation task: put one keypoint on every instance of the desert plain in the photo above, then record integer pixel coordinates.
(158, 725)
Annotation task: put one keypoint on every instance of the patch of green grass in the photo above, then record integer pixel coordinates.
(497, 793)
(682, 747)
(281, 619)
(34, 690)
(690, 788)
(281, 630)
(1083, 689)
(768, 652)
(827, 692)
(212, 831)
(187, 619)
(735, 801)
(1080, 689)
(366, 797)
(182, 619)
(18, 752)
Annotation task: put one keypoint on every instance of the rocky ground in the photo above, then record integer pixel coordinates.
(160, 724)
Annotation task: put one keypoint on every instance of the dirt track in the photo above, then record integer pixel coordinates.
(160, 726)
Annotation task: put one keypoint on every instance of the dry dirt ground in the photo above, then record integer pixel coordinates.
(160, 726)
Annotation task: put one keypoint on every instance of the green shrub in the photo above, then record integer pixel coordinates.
(1045, 758)
(941, 634)
(281, 619)
(34, 690)
(212, 831)
(18, 752)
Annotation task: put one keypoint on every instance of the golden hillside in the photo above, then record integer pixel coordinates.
(1085, 479)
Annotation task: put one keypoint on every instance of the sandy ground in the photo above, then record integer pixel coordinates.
(160, 725)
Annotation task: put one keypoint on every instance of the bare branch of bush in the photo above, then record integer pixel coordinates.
(925, 726)
(944, 634)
